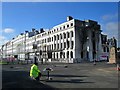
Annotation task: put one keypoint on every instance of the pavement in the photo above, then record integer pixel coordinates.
(82, 75)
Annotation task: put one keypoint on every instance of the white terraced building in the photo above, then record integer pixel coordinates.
(70, 42)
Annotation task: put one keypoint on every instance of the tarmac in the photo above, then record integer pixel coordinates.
(81, 75)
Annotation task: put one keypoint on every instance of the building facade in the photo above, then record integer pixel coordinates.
(73, 41)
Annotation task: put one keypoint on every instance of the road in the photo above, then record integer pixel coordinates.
(83, 75)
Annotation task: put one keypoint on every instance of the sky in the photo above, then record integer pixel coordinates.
(18, 17)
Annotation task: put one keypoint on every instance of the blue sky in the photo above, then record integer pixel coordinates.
(20, 16)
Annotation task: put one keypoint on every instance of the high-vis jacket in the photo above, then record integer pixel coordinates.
(34, 71)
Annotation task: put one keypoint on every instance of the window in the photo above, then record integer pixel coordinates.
(107, 49)
(71, 33)
(68, 44)
(82, 54)
(64, 35)
(60, 28)
(45, 40)
(67, 26)
(58, 37)
(57, 55)
(64, 45)
(55, 46)
(104, 49)
(52, 46)
(61, 45)
(68, 34)
(71, 24)
(72, 44)
(52, 38)
(63, 27)
(67, 54)
(55, 37)
(71, 54)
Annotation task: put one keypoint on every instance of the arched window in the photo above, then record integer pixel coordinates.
(71, 33)
(63, 27)
(57, 55)
(60, 36)
(68, 35)
(54, 37)
(67, 54)
(61, 53)
(71, 54)
(64, 35)
(68, 44)
(54, 55)
(72, 44)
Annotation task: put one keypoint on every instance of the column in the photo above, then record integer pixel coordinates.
(63, 41)
(66, 40)
(90, 46)
(70, 39)
(99, 46)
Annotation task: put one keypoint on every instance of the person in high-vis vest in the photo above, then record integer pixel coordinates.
(35, 72)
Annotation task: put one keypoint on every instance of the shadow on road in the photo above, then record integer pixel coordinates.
(58, 75)
(68, 81)
(20, 79)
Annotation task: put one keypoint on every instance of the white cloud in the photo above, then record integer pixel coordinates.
(111, 29)
(8, 30)
(3, 40)
(110, 25)
(110, 17)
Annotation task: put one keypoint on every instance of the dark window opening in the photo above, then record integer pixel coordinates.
(71, 54)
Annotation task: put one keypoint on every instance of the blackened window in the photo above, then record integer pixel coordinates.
(67, 54)
(60, 28)
(71, 54)
(64, 45)
(67, 26)
(104, 49)
(55, 37)
(107, 49)
(55, 46)
(72, 43)
(63, 27)
(52, 38)
(82, 54)
(71, 33)
(61, 45)
(71, 24)
(64, 35)
(68, 34)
